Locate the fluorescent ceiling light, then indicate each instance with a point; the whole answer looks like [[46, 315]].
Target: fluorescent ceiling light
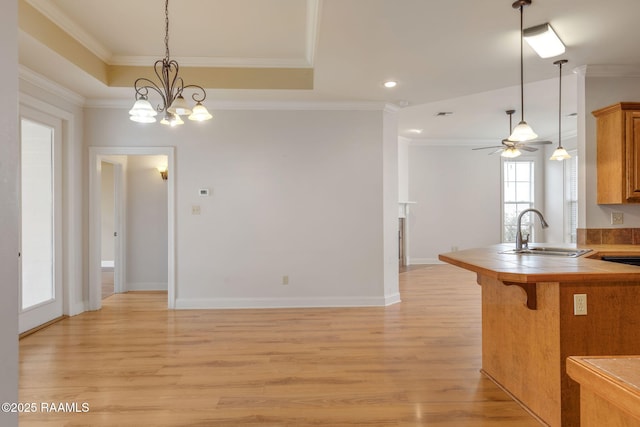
[[544, 40]]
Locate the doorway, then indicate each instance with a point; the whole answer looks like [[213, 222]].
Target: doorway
[[40, 291], [99, 155]]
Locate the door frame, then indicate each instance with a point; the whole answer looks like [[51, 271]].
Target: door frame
[[34, 316], [71, 204], [96, 155]]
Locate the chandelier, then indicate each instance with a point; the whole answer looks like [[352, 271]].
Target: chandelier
[[170, 89]]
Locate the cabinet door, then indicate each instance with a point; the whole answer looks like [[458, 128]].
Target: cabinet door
[[633, 156]]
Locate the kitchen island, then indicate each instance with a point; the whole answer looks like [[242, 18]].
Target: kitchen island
[[529, 327]]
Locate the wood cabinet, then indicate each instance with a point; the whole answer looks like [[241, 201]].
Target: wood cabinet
[[618, 133]]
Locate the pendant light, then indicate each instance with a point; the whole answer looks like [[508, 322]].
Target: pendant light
[[522, 132], [560, 154]]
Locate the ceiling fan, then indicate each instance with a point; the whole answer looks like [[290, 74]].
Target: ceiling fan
[[512, 149]]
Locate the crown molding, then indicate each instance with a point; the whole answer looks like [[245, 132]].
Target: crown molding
[[144, 61], [314, 12], [608, 70], [261, 105], [55, 15], [49, 86]]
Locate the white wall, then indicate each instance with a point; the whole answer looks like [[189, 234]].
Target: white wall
[[457, 191], [403, 169], [296, 193], [555, 194], [146, 224], [597, 89], [9, 214]]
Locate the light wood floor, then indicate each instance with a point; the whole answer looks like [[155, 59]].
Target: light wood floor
[[137, 364]]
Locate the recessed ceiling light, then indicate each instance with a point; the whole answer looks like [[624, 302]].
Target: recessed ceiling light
[[416, 131], [390, 83]]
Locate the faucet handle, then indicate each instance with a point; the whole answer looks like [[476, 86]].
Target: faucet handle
[[525, 241]]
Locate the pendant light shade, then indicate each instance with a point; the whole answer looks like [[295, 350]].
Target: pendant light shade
[[143, 111], [560, 153], [523, 131], [200, 113], [179, 106], [171, 120]]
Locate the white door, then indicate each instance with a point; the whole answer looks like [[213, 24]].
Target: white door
[[40, 233]]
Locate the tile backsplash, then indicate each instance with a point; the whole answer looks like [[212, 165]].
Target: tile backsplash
[[608, 236]]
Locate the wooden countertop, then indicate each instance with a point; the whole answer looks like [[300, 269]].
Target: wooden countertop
[[519, 268], [615, 378]]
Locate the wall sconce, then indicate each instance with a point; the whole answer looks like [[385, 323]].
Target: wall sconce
[[164, 171]]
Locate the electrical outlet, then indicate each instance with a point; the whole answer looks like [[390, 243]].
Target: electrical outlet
[[195, 210], [285, 280], [454, 249], [579, 304], [617, 218]]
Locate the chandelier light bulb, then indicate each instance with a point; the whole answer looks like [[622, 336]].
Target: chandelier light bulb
[[200, 113]]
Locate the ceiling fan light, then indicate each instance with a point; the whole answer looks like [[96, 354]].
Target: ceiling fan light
[[200, 113], [560, 154], [510, 152], [544, 40], [179, 107], [522, 132]]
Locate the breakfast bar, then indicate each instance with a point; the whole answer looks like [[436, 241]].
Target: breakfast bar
[[533, 319]]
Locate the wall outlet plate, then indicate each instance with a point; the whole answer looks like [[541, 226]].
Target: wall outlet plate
[[617, 218], [579, 304]]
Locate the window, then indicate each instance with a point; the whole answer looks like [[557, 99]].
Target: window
[[571, 198], [517, 195]]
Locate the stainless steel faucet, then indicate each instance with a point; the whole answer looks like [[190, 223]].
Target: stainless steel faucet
[[524, 243]]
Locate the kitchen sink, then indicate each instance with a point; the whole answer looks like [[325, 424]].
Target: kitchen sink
[[548, 251]]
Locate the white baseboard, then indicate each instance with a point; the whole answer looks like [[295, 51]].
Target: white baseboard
[[422, 261], [392, 299], [77, 308], [146, 286], [220, 303]]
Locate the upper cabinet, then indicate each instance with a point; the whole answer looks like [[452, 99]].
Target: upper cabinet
[[618, 153]]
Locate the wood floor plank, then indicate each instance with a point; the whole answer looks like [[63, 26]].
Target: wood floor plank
[[138, 364]]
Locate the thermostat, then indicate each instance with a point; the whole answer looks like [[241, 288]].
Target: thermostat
[[203, 192]]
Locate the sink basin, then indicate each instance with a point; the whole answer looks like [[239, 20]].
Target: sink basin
[[549, 251]]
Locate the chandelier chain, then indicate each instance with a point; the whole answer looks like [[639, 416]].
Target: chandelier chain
[[166, 28]]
